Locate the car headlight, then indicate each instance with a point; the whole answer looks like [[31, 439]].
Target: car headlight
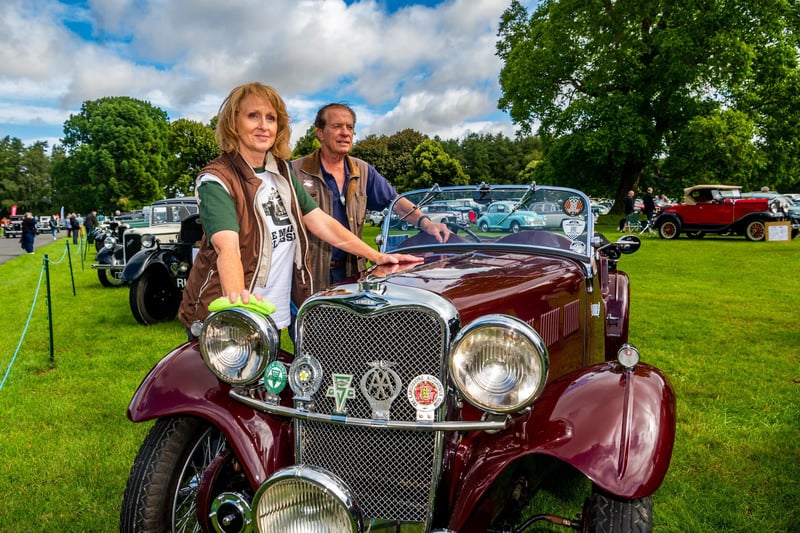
[[237, 345], [109, 242], [148, 240], [306, 498], [499, 363], [778, 205]]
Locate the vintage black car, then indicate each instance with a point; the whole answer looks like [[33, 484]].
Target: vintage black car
[[117, 245], [158, 273], [14, 227]]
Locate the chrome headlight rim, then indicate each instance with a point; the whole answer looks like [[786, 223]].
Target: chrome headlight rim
[[148, 240], [261, 340], [109, 242], [327, 484], [534, 375]]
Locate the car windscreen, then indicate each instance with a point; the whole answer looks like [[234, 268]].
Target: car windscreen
[[542, 217]]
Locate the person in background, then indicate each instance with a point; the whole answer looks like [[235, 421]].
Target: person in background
[[346, 187], [630, 210], [68, 224], [28, 232], [256, 215], [53, 223], [649, 204], [90, 223], [75, 227]]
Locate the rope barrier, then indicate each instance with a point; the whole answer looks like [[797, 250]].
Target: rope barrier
[[46, 262], [25, 329]]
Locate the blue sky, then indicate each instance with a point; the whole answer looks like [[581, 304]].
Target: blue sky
[[429, 65]]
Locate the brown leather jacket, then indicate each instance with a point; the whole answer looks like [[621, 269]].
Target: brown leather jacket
[[203, 285], [309, 172]]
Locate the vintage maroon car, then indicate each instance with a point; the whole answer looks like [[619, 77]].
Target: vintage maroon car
[[436, 396], [720, 209]]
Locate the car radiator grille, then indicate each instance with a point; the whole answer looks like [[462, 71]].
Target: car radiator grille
[[391, 472]]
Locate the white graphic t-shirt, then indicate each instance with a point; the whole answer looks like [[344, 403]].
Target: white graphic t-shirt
[[283, 237]]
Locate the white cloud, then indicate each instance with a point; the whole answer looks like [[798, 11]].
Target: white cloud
[[431, 69]]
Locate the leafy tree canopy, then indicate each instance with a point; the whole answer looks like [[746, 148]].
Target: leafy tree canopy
[[307, 143], [191, 145], [616, 88], [118, 152], [430, 165]]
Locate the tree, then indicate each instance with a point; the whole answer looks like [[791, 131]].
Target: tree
[[717, 148], [430, 165], [307, 143], [11, 192], [192, 146], [375, 151], [35, 178], [391, 156], [400, 147], [613, 84], [117, 155]]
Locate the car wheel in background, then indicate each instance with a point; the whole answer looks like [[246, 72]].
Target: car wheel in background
[[756, 231], [515, 227], [484, 227], [153, 298], [109, 278], [668, 230], [695, 234]]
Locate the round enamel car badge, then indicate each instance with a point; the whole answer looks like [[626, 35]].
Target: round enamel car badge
[[275, 377], [425, 393]]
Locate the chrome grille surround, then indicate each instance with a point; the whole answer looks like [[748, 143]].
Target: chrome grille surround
[[394, 474]]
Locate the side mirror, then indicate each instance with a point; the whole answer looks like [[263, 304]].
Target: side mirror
[[629, 244]]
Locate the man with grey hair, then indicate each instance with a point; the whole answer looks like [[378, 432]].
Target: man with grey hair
[[345, 187]]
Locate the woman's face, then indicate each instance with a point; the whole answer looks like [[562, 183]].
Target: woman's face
[[256, 126]]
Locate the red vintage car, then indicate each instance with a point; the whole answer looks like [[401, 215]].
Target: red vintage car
[[720, 209], [432, 397]]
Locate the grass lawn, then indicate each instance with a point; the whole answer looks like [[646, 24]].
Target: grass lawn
[[718, 315]]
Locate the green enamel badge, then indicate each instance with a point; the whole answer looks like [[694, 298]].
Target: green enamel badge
[[275, 377]]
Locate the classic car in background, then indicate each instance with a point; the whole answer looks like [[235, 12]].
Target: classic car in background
[[13, 227], [721, 209], [158, 272], [375, 218], [437, 213], [433, 396], [115, 246], [507, 216]]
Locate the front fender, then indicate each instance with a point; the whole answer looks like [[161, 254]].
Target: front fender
[[665, 217], [617, 428], [137, 264], [181, 385], [108, 258]]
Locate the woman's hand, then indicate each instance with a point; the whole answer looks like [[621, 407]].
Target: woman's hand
[[393, 259], [244, 294]]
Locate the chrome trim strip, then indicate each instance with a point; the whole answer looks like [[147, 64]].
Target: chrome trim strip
[[291, 412]]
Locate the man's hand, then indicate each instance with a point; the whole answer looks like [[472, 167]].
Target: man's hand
[[437, 230]]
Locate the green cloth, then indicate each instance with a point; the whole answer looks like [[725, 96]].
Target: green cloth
[[223, 302]]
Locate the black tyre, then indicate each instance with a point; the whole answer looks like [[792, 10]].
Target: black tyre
[[183, 464], [515, 227], [110, 278], [695, 234], [756, 231], [668, 230], [483, 226], [153, 297], [606, 514]]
